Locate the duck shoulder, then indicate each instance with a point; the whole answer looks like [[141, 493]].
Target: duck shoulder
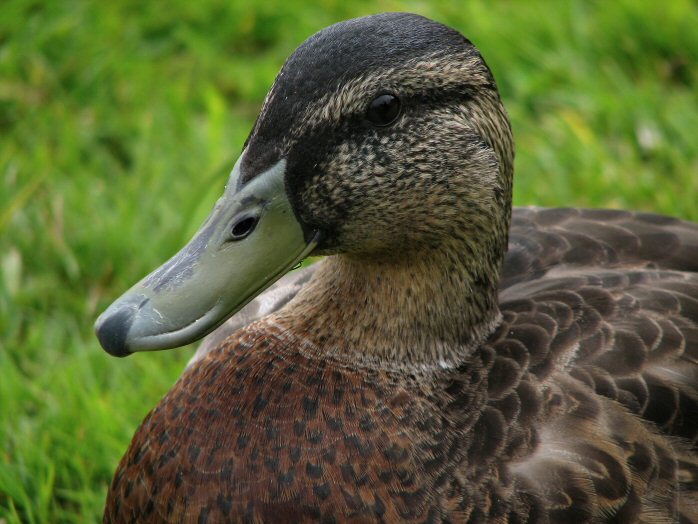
[[603, 306], [541, 239]]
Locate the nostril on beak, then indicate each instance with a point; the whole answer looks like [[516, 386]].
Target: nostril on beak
[[112, 331]]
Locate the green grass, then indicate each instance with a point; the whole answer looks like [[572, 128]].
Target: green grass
[[120, 120]]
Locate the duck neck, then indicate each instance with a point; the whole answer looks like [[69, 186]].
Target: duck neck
[[425, 311]]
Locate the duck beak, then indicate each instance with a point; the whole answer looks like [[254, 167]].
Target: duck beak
[[250, 239]]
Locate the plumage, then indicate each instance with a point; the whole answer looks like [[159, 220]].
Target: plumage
[[444, 363]]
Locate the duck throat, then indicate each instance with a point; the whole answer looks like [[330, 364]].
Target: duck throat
[[422, 312]]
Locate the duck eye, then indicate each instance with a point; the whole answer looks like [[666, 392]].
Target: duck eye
[[243, 227], [383, 110]]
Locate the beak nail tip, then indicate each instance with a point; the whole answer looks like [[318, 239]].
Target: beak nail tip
[[112, 331]]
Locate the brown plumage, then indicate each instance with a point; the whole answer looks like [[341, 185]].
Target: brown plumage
[[438, 379]]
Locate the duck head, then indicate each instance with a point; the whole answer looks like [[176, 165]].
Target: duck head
[[382, 138]]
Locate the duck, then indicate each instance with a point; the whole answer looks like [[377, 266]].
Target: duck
[[450, 359]]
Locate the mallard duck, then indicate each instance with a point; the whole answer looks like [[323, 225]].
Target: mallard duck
[[448, 360]]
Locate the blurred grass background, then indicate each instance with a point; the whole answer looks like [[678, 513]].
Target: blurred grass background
[[120, 120]]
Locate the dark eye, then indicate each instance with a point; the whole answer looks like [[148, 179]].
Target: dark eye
[[243, 227], [383, 110]]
